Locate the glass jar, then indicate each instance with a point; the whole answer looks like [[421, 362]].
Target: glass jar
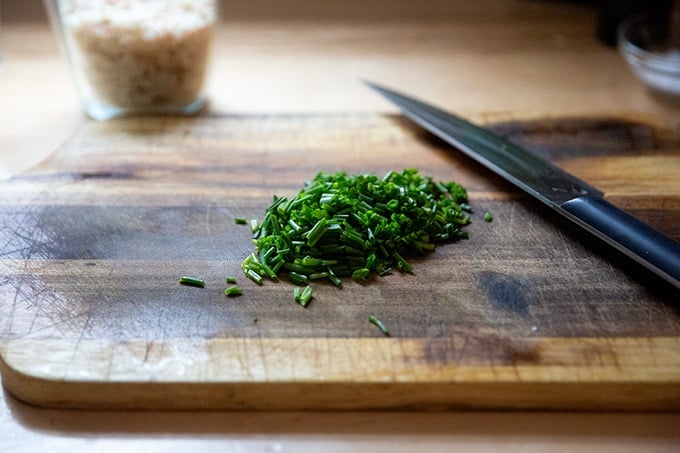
[[137, 56]]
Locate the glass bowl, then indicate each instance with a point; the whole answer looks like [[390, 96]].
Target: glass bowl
[[650, 46]]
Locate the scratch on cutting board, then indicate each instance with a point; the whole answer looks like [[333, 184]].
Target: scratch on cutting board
[[147, 350], [567, 248], [242, 357], [88, 318], [208, 209], [10, 316]]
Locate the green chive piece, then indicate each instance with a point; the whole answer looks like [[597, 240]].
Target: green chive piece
[[318, 230], [360, 274], [306, 294], [233, 291], [298, 279], [254, 225], [488, 217], [240, 220], [303, 296], [374, 320], [334, 278], [254, 276], [192, 281], [231, 279]]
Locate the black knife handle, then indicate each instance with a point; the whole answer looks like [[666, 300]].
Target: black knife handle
[[649, 247]]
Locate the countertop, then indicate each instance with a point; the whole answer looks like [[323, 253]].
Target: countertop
[[497, 57]]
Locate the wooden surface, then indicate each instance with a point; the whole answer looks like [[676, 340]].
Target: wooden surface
[[524, 314], [483, 56]]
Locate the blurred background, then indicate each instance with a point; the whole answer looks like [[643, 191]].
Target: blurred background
[[609, 11], [30, 10], [302, 56]]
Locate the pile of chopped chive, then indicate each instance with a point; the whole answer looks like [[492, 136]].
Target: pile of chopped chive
[[340, 225]]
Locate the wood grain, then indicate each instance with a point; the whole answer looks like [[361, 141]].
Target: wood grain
[[526, 313]]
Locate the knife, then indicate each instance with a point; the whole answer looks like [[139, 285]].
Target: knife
[[561, 191]]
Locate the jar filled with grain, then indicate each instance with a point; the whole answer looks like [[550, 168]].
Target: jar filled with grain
[[137, 56]]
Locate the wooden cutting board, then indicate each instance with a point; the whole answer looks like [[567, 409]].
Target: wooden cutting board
[[526, 313]]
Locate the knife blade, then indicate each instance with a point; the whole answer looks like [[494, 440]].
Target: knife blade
[[569, 196]]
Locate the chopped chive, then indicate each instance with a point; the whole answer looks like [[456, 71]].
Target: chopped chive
[[342, 225], [254, 225], [374, 320], [192, 281], [233, 291], [370, 261], [360, 274], [307, 292], [385, 271], [303, 296], [422, 245], [298, 279], [299, 269], [318, 230], [268, 271], [278, 266], [254, 276], [240, 220], [231, 279], [334, 278], [314, 262], [488, 217], [402, 264]]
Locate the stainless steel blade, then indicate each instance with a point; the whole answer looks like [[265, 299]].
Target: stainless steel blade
[[535, 175]]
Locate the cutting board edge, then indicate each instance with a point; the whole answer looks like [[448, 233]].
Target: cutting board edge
[[590, 397], [590, 388]]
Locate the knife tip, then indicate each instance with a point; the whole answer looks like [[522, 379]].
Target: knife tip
[[367, 82], [371, 84]]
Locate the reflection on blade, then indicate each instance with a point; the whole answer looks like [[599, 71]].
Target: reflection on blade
[[531, 173]]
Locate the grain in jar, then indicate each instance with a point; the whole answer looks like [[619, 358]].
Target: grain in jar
[[138, 55]]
